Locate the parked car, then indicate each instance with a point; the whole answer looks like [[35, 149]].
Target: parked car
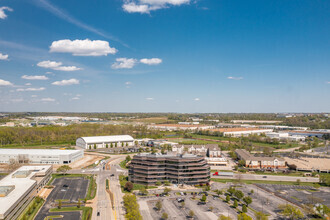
[[201, 203]]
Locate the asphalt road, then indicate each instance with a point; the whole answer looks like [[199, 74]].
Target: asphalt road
[[269, 178]]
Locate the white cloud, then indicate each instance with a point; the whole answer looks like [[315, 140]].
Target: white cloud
[[3, 56], [28, 84], [34, 77], [75, 98], [34, 96], [128, 83], [5, 83], [31, 89], [47, 100], [328, 82], [66, 82], [124, 63], [56, 66], [149, 99], [2, 12], [49, 72], [234, 78], [145, 6], [83, 47], [197, 99], [152, 61]]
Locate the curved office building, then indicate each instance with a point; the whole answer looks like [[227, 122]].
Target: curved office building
[[188, 169]]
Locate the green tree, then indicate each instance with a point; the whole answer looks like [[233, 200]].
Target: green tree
[[129, 186], [183, 204], [107, 146], [191, 213], [167, 190], [244, 209], [203, 199], [116, 144], [128, 158], [222, 217], [158, 205], [167, 183], [211, 208], [231, 190], [111, 145], [235, 203], [59, 206], [219, 192], [291, 212], [94, 146], [252, 191], [227, 198], [164, 216], [63, 169], [261, 216], [79, 203], [243, 216], [298, 181], [158, 183], [143, 191], [247, 200], [325, 179], [239, 194]]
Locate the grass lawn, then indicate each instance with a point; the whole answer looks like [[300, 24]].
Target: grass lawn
[[86, 215], [53, 217], [122, 164], [265, 182], [123, 180], [34, 207]]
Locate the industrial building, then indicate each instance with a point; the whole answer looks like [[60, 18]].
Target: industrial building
[[238, 132], [285, 136], [105, 141], [260, 162], [19, 188], [37, 156], [188, 169], [177, 127]]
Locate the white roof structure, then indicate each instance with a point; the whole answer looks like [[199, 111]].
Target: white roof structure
[[21, 184], [37, 151], [105, 139]]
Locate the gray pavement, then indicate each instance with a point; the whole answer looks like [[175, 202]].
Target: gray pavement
[[269, 178]]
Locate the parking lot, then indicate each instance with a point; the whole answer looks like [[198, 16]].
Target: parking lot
[[68, 190], [300, 195], [262, 200]]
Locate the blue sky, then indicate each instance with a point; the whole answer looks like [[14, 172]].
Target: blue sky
[[165, 55]]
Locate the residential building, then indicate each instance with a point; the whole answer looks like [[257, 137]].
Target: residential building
[[188, 169], [38, 156], [105, 141], [260, 162], [19, 188], [209, 150]]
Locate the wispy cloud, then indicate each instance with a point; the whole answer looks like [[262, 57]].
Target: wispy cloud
[[197, 99], [234, 78], [150, 99], [31, 89], [124, 63], [34, 77], [57, 66], [47, 100], [69, 18], [151, 61], [3, 15], [5, 83], [3, 56], [146, 6], [66, 82]]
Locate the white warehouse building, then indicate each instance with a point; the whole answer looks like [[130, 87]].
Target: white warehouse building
[[97, 142], [37, 156]]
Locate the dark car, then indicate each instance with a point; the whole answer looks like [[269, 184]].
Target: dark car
[[201, 203], [112, 175], [65, 185], [98, 213], [180, 200], [264, 177], [185, 193]]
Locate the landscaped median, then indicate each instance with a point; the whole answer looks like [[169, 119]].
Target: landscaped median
[[32, 209], [86, 211]]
